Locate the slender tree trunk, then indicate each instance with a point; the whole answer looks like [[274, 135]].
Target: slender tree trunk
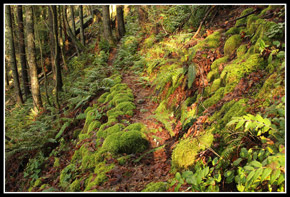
[[12, 55], [79, 46], [82, 34], [51, 42], [73, 19], [120, 22], [56, 49], [42, 63], [6, 74], [35, 90], [22, 54], [106, 22]]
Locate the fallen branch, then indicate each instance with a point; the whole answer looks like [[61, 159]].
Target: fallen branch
[[244, 15], [204, 18]]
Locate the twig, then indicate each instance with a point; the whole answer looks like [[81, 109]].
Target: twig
[[201, 23], [244, 15]]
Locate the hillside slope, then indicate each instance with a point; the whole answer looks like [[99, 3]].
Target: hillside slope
[[179, 113]]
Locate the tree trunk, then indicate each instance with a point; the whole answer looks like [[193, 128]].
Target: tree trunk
[[51, 42], [73, 19], [56, 49], [76, 42], [22, 54], [120, 21], [106, 22], [35, 90], [12, 55], [82, 35]]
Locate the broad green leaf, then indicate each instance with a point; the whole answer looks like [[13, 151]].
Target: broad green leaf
[[191, 75], [266, 173], [205, 172], [249, 177], [249, 168], [228, 173], [257, 174], [215, 161], [256, 164], [276, 173], [240, 123], [237, 161]]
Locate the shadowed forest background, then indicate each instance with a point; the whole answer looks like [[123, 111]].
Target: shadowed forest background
[[144, 98]]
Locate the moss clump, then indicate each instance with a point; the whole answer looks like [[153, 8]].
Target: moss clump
[[246, 64], [214, 73], [156, 187], [212, 41], [241, 50], [109, 131], [126, 107], [75, 186], [99, 175], [94, 125], [103, 97], [232, 44], [214, 98], [125, 142], [184, 154], [237, 109], [215, 85], [244, 20], [233, 30]]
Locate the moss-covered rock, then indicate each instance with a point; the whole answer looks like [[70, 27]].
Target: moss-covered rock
[[215, 85], [109, 131], [243, 20], [66, 176], [125, 142], [237, 109], [214, 98], [156, 187], [232, 44], [241, 50], [184, 154]]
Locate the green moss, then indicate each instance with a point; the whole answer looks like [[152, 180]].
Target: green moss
[[94, 125], [214, 98], [244, 20], [246, 64], [83, 136], [103, 97], [56, 162], [260, 27], [232, 44], [215, 85], [136, 126], [237, 109], [109, 131], [241, 50], [233, 30], [125, 142], [266, 91], [184, 154], [156, 187], [126, 107], [99, 175], [148, 42], [75, 186], [212, 41]]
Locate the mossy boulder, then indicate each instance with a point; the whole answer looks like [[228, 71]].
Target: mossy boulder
[[156, 187], [237, 109], [185, 152], [109, 131], [216, 84], [241, 50], [214, 73], [232, 44], [75, 186], [214, 98], [125, 142]]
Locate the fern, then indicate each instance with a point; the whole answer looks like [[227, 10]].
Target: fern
[[191, 75]]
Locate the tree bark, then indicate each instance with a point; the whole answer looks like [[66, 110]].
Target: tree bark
[[120, 22], [35, 90], [12, 55], [106, 23], [56, 49], [73, 19], [82, 35], [22, 54], [51, 42]]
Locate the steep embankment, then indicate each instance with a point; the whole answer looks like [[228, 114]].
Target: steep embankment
[[166, 123]]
